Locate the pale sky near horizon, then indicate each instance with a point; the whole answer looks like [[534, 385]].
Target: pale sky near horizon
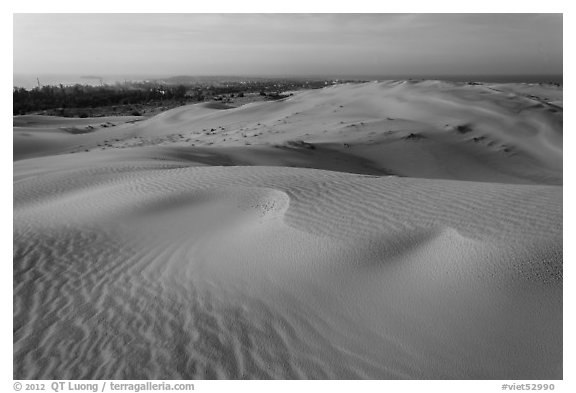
[[288, 44]]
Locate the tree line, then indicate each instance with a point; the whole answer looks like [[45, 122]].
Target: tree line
[[85, 96], [61, 99]]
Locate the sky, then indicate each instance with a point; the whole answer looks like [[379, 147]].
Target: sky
[[288, 44]]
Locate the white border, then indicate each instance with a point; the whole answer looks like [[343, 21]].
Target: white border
[[356, 6]]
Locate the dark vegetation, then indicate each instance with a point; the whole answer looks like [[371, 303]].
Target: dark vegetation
[[140, 98], [414, 137], [69, 100], [464, 128]]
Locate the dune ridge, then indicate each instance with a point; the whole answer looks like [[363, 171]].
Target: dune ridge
[[429, 129]]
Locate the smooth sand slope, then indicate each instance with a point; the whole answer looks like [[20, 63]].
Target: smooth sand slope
[[381, 230]]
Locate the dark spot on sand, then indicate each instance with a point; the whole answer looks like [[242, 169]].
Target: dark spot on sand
[[464, 128], [414, 137]]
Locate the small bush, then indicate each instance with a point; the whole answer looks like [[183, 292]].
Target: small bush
[[464, 128]]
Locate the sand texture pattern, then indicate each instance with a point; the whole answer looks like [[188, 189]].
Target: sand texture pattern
[[392, 230]]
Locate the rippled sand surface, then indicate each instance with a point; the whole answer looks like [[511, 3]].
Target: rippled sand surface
[[383, 230]]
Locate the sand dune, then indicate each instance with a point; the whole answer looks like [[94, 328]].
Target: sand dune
[[429, 130], [381, 230]]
